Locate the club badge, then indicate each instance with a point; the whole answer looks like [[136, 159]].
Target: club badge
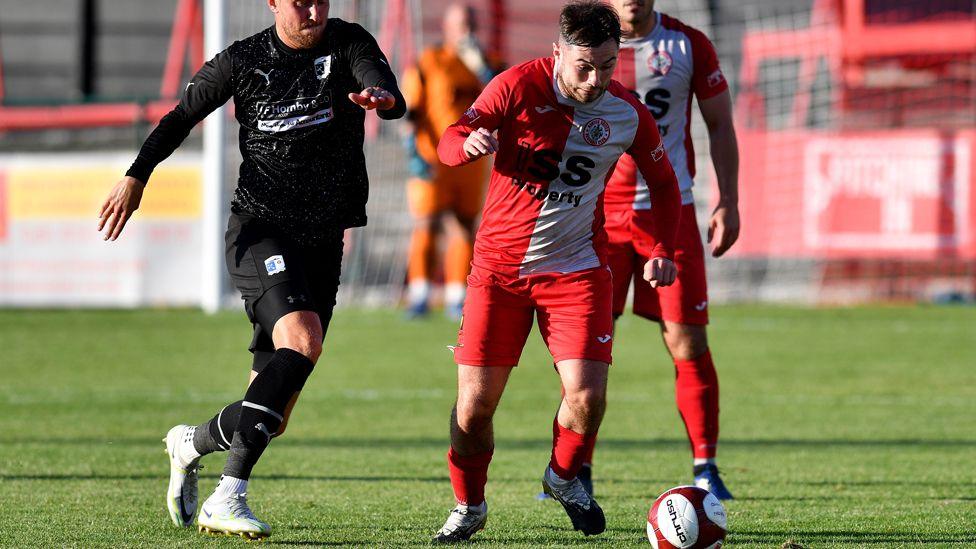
[[596, 132], [323, 66], [660, 62]]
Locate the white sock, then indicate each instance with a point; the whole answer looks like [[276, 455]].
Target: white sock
[[703, 461], [418, 291], [479, 509], [228, 487], [185, 449], [454, 293], [556, 480]]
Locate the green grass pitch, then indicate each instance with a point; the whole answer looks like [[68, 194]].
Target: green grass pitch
[[840, 428]]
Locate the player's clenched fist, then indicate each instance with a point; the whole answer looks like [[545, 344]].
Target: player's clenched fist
[[373, 98], [660, 272], [480, 143]]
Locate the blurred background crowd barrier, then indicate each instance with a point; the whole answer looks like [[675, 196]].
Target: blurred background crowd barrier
[[856, 122]]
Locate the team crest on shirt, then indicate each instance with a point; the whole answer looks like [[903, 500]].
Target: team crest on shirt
[[660, 62], [596, 132], [323, 66]]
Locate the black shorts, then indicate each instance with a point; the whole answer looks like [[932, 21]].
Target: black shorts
[[277, 276]]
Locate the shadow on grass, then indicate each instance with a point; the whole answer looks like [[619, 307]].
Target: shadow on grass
[[304, 478], [315, 543], [497, 480], [884, 539], [518, 444]]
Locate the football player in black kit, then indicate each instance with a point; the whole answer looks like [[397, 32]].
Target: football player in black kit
[[300, 90]]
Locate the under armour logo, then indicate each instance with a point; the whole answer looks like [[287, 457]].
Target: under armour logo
[[604, 338], [701, 306], [266, 75], [292, 299], [263, 429], [544, 110]]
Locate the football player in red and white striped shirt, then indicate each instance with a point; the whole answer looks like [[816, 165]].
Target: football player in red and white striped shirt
[[665, 63], [540, 251]]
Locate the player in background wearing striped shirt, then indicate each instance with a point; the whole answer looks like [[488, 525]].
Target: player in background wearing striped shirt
[[664, 62]]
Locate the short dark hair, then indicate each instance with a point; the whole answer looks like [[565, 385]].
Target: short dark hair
[[588, 23]]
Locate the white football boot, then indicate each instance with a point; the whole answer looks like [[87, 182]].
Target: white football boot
[[462, 523], [231, 516], [184, 463]]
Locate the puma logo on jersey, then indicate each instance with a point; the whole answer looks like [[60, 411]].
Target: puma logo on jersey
[[266, 75], [545, 109], [604, 338], [701, 306]]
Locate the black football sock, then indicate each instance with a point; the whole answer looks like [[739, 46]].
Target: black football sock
[[215, 434], [263, 408]]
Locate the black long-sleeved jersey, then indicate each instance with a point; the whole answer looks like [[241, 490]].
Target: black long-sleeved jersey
[[301, 137]]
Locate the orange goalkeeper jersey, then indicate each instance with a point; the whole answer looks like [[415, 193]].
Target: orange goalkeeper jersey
[[438, 90]]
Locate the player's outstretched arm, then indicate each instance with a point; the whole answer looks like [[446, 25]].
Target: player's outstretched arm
[[121, 203], [372, 71], [374, 97], [208, 89]]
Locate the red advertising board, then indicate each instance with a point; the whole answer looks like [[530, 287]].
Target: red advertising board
[[908, 194]]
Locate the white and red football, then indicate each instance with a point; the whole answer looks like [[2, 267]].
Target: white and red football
[[687, 517]]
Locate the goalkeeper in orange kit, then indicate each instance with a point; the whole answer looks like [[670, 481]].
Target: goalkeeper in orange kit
[[446, 80]]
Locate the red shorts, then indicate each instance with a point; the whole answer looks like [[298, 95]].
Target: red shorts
[[574, 312], [685, 301]]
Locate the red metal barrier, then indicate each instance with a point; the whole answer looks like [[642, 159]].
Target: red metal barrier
[[187, 35], [82, 116]]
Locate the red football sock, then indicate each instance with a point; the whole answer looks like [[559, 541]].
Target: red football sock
[[588, 458], [569, 449], [469, 474], [696, 392]]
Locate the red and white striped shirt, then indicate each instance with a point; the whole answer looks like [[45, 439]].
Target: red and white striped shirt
[[663, 70], [544, 209]]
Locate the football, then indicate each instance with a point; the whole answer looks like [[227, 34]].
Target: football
[[687, 517]]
